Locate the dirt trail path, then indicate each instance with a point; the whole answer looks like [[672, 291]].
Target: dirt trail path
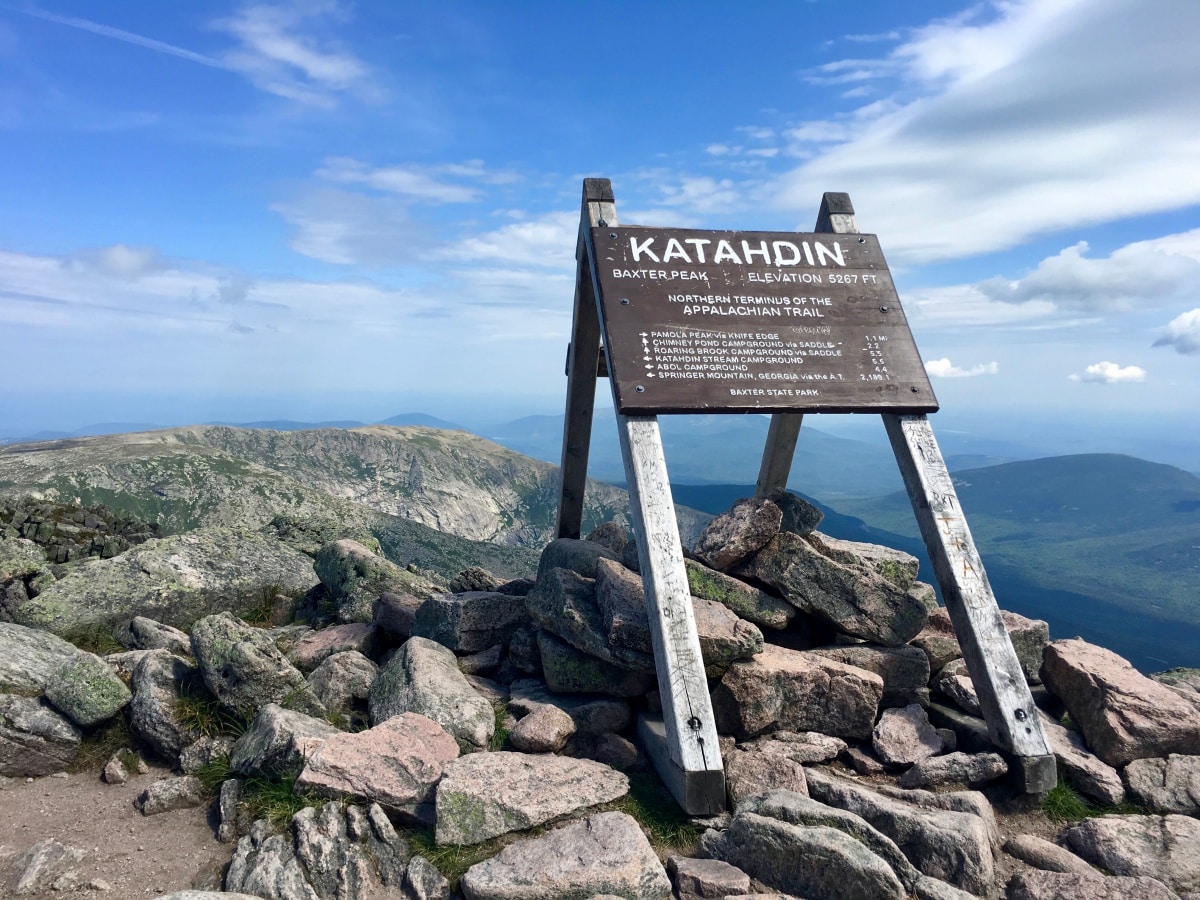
[[134, 855]]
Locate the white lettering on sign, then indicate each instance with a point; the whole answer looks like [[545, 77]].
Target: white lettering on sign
[[777, 253]]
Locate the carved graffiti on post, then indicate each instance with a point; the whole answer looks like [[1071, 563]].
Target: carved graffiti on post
[[722, 320]]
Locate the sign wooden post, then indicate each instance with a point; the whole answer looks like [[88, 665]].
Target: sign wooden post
[[683, 743], [710, 321]]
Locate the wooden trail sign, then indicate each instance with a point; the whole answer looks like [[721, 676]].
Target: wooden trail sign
[[710, 321]]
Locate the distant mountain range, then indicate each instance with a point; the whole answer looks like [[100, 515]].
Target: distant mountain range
[[1101, 545]]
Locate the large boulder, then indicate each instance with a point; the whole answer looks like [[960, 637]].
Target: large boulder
[[1028, 636], [904, 670], [565, 603], [423, 677], [396, 764], [173, 580], [343, 680], [1162, 847], [1036, 885], [570, 671], [330, 852], [791, 690], [356, 577], [1170, 785], [34, 739], [1123, 714], [577, 556], [30, 658], [852, 596], [485, 795], [605, 854], [471, 621], [245, 670]]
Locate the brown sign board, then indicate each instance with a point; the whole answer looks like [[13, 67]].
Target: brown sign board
[[737, 321]]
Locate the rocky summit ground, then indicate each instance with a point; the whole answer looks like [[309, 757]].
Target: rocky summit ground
[[364, 730]]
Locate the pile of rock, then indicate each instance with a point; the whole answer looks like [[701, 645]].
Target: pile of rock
[[66, 532], [850, 734]]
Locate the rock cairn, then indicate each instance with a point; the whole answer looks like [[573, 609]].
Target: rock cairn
[[502, 715]]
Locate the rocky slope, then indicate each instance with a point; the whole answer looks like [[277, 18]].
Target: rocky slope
[[183, 478], [500, 723]]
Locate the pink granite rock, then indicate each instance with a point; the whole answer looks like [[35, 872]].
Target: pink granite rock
[[396, 764], [1123, 714]]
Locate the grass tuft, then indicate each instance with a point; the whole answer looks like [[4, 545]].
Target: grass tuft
[[276, 801], [213, 774], [101, 742], [453, 860], [668, 828], [1064, 804], [500, 735], [95, 638], [198, 710]]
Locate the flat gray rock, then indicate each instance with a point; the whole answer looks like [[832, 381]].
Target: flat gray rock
[[173, 580], [955, 768], [1083, 770], [245, 670], [896, 566], [343, 679], [567, 670], [166, 794], [577, 556], [605, 853], [34, 738], [592, 715], [748, 773], [484, 795], [1078, 886], [37, 868], [565, 604], [804, 860], [904, 670], [1046, 855], [950, 837], [1162, 847], [1123, 714], [395, 764], [791, 690], [1170, 785], [142, 633], [423, 677]]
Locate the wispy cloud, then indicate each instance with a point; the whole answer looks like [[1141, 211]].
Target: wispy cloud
[[278, 50], [1110, 373]]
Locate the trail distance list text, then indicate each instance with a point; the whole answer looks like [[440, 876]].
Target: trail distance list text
[[702, 320]]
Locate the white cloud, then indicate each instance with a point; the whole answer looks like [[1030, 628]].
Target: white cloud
[[1110, 373], [943, 368], [347, 228], [546, 242], [954, 306], [1138, 275], [281, 57], [1011, 127], [1183, 333]]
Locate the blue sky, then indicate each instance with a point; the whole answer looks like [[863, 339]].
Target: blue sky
[[331, 210]]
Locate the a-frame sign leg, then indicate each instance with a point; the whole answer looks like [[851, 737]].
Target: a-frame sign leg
[[582, 357], [1004, 696], [837, 217], [683, 744]]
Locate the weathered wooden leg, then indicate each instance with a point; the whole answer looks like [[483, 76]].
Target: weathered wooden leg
[[1004, 696], [684, 746], [778, 453], [836, 216], [582, 355]]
